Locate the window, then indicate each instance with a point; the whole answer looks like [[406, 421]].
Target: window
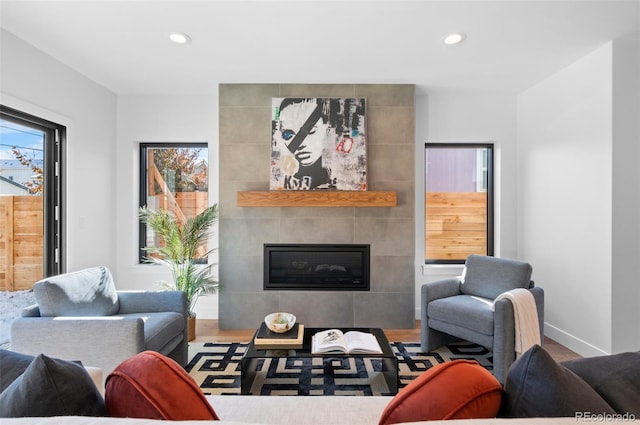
[[31, 199], [458, 202], [173, 177]]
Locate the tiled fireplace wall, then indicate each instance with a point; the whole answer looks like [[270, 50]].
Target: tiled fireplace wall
[[245, 135]]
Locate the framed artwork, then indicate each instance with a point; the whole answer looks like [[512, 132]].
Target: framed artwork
[[318, 144]]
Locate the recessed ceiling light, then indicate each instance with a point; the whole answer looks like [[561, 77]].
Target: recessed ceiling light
[[179, 38], [454, 38]]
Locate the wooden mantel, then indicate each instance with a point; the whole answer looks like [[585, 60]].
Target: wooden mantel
[[316, 198]]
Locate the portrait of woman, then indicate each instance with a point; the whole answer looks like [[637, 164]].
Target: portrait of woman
[[318, 143]]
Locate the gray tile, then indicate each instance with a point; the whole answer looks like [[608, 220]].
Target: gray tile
[[386, 94], [390, 125], [246, 237], [244, 162], [392, 274], [318, 212], [246, 94], [389, 162], [384, 310], [388, 237], [317, 230], [319, 309], [241, 273], [245, 310], [245, 125]]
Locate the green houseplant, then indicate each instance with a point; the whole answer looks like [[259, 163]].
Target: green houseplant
[[178, 250]]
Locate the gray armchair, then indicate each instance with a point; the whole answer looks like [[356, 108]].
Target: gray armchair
[[80, 316], [465, 308]]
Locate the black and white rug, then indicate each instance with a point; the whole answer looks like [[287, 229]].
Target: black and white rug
[[216, 369]]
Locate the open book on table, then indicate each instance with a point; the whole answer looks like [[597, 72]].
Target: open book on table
[[352, 342]]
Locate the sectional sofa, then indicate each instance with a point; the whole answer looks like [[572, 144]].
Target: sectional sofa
[[150, 386]]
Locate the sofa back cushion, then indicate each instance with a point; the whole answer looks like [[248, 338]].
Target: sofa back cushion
[[152, 386], [538, 386], [50, 387], [615, 377], [88, 292], [488, 277]]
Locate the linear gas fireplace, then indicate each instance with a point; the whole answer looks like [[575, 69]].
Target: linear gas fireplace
[[316, 267]]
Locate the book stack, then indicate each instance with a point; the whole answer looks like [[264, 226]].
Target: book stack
[[268, 340]]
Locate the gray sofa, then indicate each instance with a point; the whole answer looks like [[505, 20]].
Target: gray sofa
[[80, 316]]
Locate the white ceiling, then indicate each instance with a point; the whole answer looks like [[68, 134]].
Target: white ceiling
[[510, 45]]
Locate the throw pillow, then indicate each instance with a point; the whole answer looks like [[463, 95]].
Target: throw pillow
[[52, 387], [616, 378], [537, 386], [152, 386], [460, 389], [88, 292], [12, 365]]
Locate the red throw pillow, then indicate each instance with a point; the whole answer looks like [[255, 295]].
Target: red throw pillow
[[460, 389], [152, 386]]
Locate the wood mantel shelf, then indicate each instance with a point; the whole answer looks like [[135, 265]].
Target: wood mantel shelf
[[316, 198]]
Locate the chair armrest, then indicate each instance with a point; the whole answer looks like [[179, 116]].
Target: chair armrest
[[439, 289], [102, 342], [152, 301]]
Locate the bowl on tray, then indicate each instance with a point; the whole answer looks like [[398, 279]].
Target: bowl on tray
[[280, 322]]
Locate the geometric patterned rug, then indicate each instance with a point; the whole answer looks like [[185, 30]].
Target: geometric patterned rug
[[216, 369]]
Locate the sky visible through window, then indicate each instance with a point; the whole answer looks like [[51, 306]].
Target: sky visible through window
[[28, 140], [29, 143]]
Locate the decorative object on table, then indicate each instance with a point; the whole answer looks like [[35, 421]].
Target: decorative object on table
[[280, 322], [179, 251], [266, 339], [318, 143]]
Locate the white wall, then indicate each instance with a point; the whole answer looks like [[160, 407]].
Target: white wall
[[158, 119], [468, 118], [38, 84], [565, 166]]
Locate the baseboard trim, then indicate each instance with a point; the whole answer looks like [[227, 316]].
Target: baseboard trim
[[572, 342]]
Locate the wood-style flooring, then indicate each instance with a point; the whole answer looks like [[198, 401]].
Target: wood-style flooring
[[207, 330]]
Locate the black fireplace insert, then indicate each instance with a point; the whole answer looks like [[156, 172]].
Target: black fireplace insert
[[316, 267]]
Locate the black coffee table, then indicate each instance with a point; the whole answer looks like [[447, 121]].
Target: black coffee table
[[253, 356]]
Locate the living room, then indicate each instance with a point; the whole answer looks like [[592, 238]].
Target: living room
[[567, 197]]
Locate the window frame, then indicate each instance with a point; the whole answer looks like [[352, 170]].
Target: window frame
[[142, 181], [490, 195], [54, 195]]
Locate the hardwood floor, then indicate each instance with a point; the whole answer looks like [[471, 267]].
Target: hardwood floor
[[207, 330]]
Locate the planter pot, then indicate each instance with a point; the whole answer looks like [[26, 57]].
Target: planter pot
[[191, 328]]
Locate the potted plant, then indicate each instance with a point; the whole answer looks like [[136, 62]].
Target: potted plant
[[178, 250]]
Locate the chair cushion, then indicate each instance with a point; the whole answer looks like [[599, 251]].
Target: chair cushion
[[459, 389], [465, 311], [616, 378], [88, 292], [52, 387], [152, 386], [488, 277], [537, 386], [159, 328]]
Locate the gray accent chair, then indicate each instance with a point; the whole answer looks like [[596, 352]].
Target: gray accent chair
[[80, 316], [460, 308]]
